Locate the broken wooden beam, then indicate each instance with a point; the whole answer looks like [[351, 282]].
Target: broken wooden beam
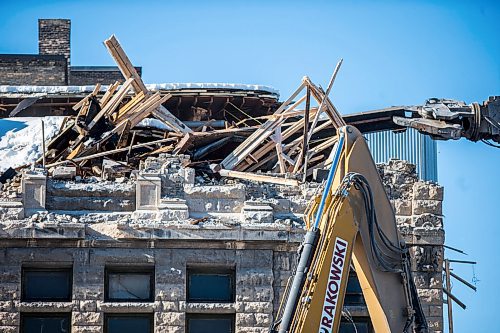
[[254, 176], [128, 71]]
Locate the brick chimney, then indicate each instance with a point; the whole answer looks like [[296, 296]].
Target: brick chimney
[[54, 38]]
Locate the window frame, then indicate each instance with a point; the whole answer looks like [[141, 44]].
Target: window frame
[[24, 315], [232, 316], [150, 316], [24, 282], [137, 270], [211, 270]]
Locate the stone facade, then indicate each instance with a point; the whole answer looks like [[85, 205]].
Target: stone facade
[[418, 208], [254, 229], [52, 66]]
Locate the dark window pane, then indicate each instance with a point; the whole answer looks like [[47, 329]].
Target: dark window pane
[[354, 294], [129, 286], [45, 324], [39, 285], [361, 326], [211, 324], [128, 324], [210, 287]]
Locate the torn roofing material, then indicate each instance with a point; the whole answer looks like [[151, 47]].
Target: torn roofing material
[[151, 87]]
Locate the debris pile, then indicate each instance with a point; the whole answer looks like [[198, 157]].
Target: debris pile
[[114, 131]]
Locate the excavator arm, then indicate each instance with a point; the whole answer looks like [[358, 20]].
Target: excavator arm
[[442, 119], [352, 222]]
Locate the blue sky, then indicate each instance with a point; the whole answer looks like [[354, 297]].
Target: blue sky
[[394, 53]]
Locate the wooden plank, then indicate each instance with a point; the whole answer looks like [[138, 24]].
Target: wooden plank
[[134, 101], [305, 137], [258, 177], [128, 71], [246, 147], [94, 93], [110, 152], [279, 150], [109, 93], [183, 145], [112, 104], [141, 114]]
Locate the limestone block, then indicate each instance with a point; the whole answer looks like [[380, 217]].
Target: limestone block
[[34, 187], [427, 191], [9, 329], [169, 306], [257, 212], [402, 207], [86, 329], [170, 292], [9, 318], [427, 207], [7, 306], [173, 210], [9, 291], [48, 306], [280, 206], [169, 329], [255, 277], [435, 323], [148, 191], [214, 205], [254, 307], [428, 280], [254, 294], [435, 311], [236, 191], [11, 210], [430, 296], [245, 320], [126, 307], [252, 330], [189, 174], [170, 318], [88, 306], [87, 318], [428, 221], [263, 319], [298, 206], [64, 172], [190, 307]]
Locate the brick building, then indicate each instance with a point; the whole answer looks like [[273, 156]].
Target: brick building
[[52, 65]]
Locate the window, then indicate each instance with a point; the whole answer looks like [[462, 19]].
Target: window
[[210, 285], [129, 284], [198, 323], [46, 284], [354, 294], [357, 325], [45, 322], [128, 323]]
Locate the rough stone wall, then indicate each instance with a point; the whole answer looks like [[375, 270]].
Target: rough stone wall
[[418, 208], [252, 307], [33, 70], [195, 222], [92, 76]]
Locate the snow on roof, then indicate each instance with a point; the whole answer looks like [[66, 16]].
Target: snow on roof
[[21, 139], [153, 87]]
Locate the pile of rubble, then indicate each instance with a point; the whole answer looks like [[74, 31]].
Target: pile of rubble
[[115, 131]]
